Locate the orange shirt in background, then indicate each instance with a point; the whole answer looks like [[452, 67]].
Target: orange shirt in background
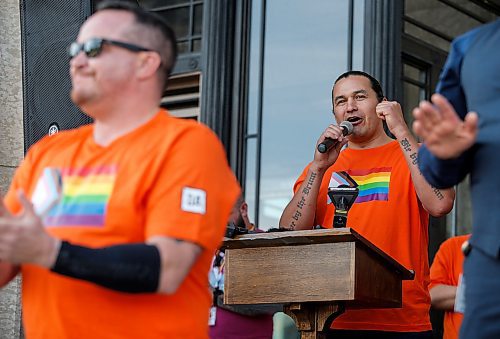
[[388, 213], [149, 182], [445, 270]]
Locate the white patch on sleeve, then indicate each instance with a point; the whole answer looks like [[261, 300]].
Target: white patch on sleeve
[[194, 200]]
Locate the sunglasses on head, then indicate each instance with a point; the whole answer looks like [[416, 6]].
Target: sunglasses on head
[[93, 47]]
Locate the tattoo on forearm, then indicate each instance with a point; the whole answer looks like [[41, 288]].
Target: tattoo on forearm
[[300, 205], [406, 145], [309, 184], [437, 192], [414, 160]]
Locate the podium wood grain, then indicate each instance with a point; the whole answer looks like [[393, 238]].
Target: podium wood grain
[[311, 266], [311, 272]]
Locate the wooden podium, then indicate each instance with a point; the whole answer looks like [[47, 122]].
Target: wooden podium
[[314, 273]]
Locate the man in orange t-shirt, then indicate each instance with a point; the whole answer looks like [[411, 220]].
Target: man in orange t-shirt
[[113, 225], [446, 270], [391, 209]]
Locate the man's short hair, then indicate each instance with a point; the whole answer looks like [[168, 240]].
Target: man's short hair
[[167, 49], [374, 82]]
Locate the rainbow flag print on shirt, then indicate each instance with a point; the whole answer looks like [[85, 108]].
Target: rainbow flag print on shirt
[[85, 196], [373, 183]]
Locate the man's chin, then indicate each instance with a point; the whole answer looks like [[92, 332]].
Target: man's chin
[[78, 98]]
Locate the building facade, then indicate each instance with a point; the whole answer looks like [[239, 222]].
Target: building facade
[[258, 72]]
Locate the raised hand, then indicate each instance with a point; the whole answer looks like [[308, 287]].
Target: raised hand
[[391, 112], [443, 132], [23, 238]]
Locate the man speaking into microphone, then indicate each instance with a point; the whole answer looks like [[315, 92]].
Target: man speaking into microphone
[[328, 143], [393, 205]]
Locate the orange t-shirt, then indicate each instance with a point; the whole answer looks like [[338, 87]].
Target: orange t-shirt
[[168, 177], [446, 269], [388, 213]]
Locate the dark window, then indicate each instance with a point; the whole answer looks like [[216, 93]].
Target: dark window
[[185, 17], [415, 86]]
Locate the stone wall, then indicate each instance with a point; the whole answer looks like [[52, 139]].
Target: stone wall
[[11, 141]]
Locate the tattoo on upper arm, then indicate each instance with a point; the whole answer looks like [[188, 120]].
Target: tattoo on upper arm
[[300, 205]]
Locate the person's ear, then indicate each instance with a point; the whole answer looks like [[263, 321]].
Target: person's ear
[[148, 64]]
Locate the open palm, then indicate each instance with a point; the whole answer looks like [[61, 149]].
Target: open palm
[[444, 133]]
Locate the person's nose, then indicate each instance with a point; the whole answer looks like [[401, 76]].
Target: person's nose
[[351, 105], [78, 61]]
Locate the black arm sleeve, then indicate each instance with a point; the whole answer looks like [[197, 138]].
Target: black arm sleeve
[[132, 268]]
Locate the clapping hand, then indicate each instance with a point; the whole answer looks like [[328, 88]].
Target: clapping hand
[[444, 133]]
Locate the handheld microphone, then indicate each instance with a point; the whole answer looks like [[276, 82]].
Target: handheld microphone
[[328, 143]]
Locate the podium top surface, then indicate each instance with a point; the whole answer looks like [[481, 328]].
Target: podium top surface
[[309, 237]]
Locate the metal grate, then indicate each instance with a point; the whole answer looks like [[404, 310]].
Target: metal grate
[[48, 27]]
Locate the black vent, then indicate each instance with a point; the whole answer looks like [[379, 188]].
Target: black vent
[[48, 27]]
